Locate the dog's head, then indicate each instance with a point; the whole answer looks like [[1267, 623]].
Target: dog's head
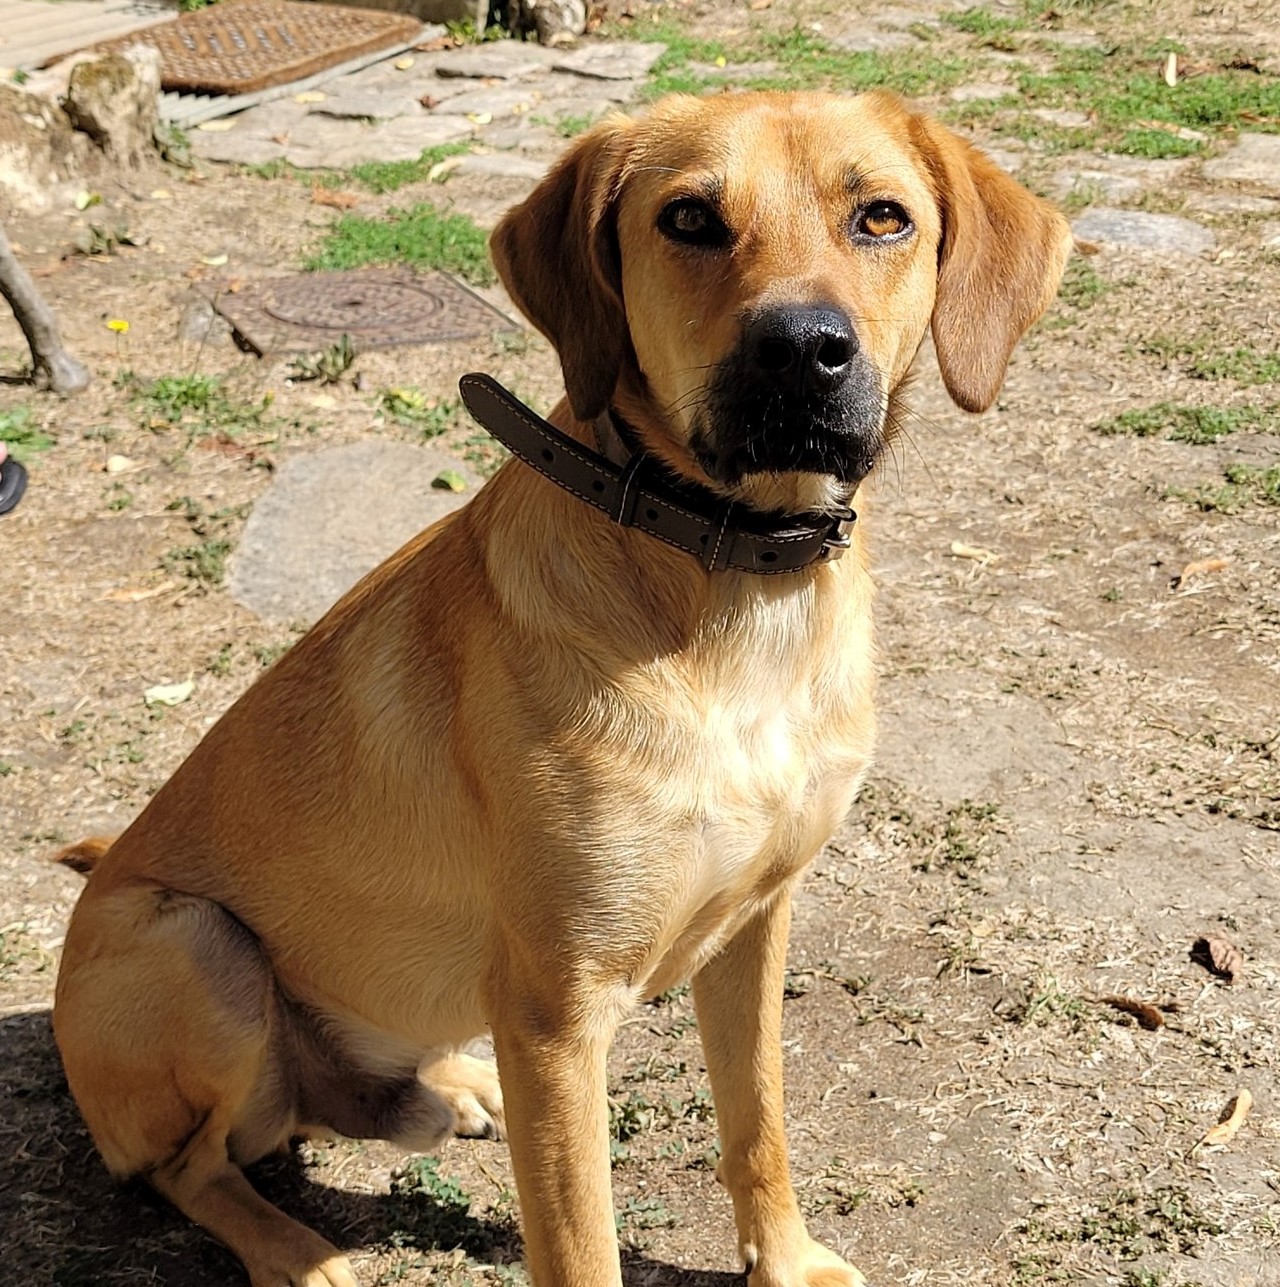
[[747, 279]]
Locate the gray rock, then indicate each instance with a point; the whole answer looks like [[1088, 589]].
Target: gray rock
[[619, 60], [494, 102], [332, 516], [1114, 187], [1008, 161], [1138, 230], [1270, 231], [202, 324], [1254, 159], [1154, 173], [501, 60], [236, 148], [326, 133], [1062, 117], [367, 104], [1233, 204], [267, 119], [871, 41], [502, 165], [421, 131], [979, 92]]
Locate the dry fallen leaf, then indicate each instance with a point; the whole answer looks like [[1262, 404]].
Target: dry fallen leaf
[[220, 126], [1171, 71], [403, 64], [169, 694], [480, 118], [118, 464], [1230, 1122], [1087, 247], [1148, 1016], [1219, 957], [429, 101], [214, 261], [1199, 567], [337, 199], [310, 96], [760, 4], [442, 169], [975, 552]]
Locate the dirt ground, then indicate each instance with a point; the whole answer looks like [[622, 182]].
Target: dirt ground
[[1077, 779]]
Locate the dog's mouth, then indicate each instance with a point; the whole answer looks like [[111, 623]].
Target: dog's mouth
[[793, 401]]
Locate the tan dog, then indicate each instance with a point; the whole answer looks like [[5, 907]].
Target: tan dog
[[538, 767]]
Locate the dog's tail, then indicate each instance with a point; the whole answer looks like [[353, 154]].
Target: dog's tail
[[83, 856]]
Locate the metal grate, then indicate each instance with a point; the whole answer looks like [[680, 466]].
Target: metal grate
[[376, 307], [241, 46]]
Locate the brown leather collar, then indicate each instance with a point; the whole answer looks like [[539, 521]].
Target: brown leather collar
[[643, 494]]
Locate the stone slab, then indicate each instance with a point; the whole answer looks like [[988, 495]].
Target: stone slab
[[491, 102], [367, 104], [236, 149], [502, 165], [1254, 159], [332, 516], [1233, 203], [1139, 230], [870, 41], [981, 91], [617, 60], [501, 60], [1063, 117], [1115, 187]]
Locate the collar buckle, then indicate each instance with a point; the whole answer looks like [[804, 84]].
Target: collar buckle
[[839, 537]]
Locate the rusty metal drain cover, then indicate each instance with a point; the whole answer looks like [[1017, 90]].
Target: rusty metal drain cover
[[376, 307]]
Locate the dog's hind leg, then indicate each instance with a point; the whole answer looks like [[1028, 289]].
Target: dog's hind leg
[[170, 1031], [470, 1088]]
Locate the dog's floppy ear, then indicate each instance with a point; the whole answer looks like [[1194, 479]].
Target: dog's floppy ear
[[557, 254], [1001, 259]]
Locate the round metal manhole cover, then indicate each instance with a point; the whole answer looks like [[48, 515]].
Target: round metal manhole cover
[[374, 307]]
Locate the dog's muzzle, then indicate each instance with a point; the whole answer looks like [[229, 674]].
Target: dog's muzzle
[[798, 393]]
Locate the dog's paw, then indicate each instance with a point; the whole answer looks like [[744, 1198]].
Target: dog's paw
[[812, 1266], [312, 1264], [471, 1089]]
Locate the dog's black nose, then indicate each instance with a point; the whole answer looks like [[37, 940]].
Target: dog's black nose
[[802, 348]]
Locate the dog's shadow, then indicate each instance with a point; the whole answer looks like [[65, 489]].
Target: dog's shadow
[[64, 1222]]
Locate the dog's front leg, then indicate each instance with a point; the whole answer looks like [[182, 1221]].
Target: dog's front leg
[[551, 1060], [739, 1002]]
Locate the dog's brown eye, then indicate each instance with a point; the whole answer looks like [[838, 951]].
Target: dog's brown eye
[[882, 219], [692, 222]]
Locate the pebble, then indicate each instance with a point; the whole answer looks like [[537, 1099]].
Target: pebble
[[1254, 159]]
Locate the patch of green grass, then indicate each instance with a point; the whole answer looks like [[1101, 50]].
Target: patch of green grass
[[1198, 425], [1046, 1001], [199, 401], [803, 61], [1081, 286], [1243, 485], [1133, 110], [1244, 365], [1131, 1223], [388, 176], [570, 126], [409, 406], [1126, 90], [205, 561], [378, 176], [421, 236], [993, 30], [20, 433]]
